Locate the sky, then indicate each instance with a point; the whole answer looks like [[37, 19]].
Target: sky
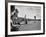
[[29, 11]]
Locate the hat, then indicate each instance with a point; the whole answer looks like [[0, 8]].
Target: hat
[[16, 10]]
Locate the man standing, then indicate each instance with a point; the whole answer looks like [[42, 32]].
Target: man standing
[[25, 20]]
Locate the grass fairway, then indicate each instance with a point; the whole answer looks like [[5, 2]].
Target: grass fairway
[[32, 25]]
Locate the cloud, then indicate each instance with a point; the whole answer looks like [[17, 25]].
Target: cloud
[[29, 11]]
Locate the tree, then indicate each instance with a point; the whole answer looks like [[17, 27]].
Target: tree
[[34, 17]]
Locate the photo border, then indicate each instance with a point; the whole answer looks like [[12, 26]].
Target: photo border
[[6, 18]]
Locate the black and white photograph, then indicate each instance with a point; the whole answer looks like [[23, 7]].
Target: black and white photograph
[[25, 18]]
